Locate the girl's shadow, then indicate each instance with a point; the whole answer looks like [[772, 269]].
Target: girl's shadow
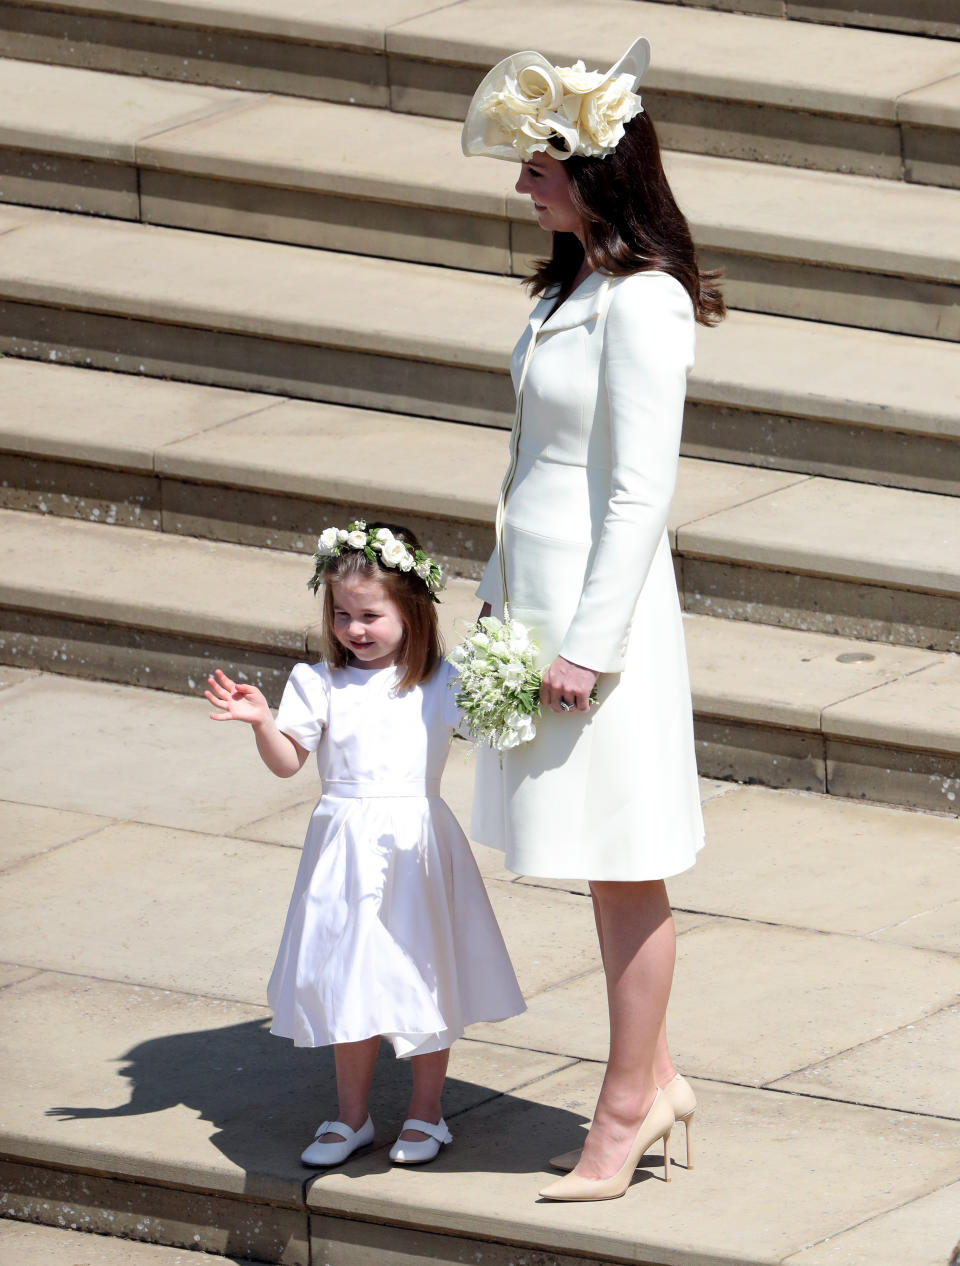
[[265, 1098]]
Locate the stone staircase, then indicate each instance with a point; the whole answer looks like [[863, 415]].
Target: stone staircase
[[334, 290], [248, 286]]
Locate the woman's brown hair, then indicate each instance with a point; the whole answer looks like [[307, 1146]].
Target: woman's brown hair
[[421, 649], [632, 224]]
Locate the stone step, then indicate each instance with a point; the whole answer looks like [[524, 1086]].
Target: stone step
[[722, 83], [435, 342], [938, 18], [852, 250], [772, 547], [33, 1244], [795, 709]]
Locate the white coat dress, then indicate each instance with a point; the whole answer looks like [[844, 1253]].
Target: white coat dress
[[610, 794]]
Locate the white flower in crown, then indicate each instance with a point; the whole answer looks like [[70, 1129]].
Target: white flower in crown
[[393, 551]]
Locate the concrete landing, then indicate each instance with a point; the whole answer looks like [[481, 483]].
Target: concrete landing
[[145, 864]]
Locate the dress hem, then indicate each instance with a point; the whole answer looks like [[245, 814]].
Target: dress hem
[[423, 1047], [608, 878]]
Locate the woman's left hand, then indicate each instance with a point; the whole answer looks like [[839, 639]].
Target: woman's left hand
[[570, 682]]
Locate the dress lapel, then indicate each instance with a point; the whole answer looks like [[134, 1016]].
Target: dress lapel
[[585, 304]]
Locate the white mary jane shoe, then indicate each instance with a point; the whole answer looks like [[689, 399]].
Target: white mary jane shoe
[[334, 1153], [417, 1153]]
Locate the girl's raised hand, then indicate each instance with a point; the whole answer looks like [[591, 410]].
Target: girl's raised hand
[[235, 700]]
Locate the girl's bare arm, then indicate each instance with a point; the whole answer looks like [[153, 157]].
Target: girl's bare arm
[[239, 701]]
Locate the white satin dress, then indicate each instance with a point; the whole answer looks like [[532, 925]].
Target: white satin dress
[[389, 930], [613, 793]]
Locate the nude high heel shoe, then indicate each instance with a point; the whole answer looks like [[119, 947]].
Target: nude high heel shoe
[[680, 1096], [655, 1125]]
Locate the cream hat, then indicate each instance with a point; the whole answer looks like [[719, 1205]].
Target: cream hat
[[525, 105]]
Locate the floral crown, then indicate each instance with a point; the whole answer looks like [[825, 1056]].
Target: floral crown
[[379, 545], [525, 105]]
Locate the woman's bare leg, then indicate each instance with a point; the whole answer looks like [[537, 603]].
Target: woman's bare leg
[[639, 950], [354, 1062], [429, 1074], [664, 1069]]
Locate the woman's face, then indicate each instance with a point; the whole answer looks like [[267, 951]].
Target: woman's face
[[545, 179]]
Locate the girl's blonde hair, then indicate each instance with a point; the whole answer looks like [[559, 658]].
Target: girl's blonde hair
[[422, 648]]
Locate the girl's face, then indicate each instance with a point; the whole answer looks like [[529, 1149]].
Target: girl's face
[[366, 621], [545, 179]]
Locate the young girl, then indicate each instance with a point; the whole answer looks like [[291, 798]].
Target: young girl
[[389, 931]]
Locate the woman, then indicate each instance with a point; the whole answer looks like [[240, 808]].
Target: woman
[[605, 793]]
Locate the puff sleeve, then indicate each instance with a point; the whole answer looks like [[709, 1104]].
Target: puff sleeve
[[305, 705], [648, 344]]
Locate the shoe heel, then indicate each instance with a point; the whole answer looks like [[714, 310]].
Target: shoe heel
[[688, 1123], [666, 1157]]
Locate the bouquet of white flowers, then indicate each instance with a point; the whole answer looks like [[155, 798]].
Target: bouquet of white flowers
[[499, 688]]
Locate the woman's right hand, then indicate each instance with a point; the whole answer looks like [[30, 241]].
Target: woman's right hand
[[236, 700]]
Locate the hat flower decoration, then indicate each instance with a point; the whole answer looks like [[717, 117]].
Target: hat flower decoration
[[525, 105]]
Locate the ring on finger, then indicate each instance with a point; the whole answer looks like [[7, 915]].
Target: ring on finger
[[566, 705]]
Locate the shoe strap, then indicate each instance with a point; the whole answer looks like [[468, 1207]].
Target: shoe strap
[[438, 1131], [336, 1127]]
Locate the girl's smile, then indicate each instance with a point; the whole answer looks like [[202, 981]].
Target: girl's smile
[[367, 621]]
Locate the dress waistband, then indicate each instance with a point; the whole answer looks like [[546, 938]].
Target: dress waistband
[[342, 790]]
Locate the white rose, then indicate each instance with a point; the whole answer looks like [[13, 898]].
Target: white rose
[[578, 79], [603, 115], [392, 551], [508, 739], [384, 534], [532, 90], [357, 540], [342, 535], [328, 539], [526, 730], [480, 641], [422, 570], [527, 110], [406, 562]]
